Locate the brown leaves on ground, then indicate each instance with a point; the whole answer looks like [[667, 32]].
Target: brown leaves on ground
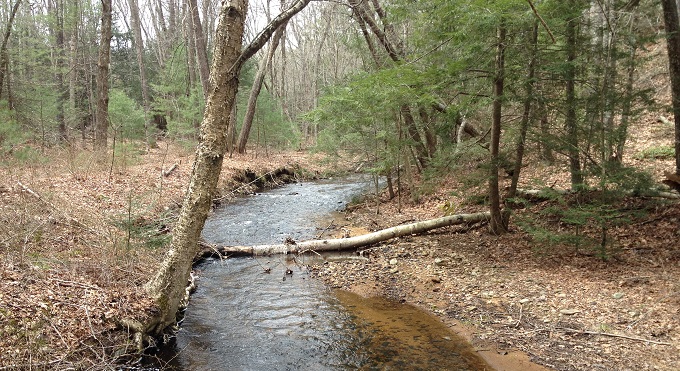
[[79, 236], [550, 300]]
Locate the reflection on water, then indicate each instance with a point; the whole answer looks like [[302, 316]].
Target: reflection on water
[[242, 318], [402, 337]]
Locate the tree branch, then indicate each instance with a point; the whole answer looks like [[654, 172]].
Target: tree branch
[[542, 21], [266, 34]]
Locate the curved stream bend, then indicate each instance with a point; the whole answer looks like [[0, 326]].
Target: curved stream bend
[[242, 318]]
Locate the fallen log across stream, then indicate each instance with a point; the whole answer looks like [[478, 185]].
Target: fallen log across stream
[[353, 242]]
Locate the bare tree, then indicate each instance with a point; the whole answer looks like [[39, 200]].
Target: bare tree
[[102, 119]]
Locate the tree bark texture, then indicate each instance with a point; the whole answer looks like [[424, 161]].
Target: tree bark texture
[[672, 25], [570, 122], [256, 88], [102, 117], [497, 224], [167, 287], [358, 241]]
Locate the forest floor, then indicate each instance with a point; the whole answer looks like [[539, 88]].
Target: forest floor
[[80, 236], [529, 295]]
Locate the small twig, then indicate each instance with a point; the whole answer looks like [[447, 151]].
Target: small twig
[[306, 251], [566, 329], [87, 313], [57, 331], [74, 284], [324, 230], [521, 307]]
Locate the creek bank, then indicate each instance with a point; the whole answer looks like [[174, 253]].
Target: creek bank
[[508, 296], [279, 317], [56, 273]]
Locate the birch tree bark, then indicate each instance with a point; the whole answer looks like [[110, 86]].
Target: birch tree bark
[[167, 287], [358, 241], [102, 116]]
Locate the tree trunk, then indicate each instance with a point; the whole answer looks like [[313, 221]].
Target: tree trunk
[[357, 241], [139, 51], [546, 148], [57, 29], [102, 119], [672, 25], [190, 48], [497, 225], [201, 51], [526, 112], [4, 56], [168, 285], [74, 21], [570, 121], [621, 134], [256, 88]]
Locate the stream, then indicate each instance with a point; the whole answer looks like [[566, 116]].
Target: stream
[[242, 318]]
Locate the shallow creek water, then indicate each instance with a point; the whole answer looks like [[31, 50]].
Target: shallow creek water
[[241, 318]]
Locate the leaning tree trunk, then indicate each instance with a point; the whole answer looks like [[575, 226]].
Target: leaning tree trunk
[[357, 241], [255, 90], [168, 286], [102, 116]]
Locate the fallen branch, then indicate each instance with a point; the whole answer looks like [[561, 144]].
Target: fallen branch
[[567, 329], [357, 241], [166, 173]]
